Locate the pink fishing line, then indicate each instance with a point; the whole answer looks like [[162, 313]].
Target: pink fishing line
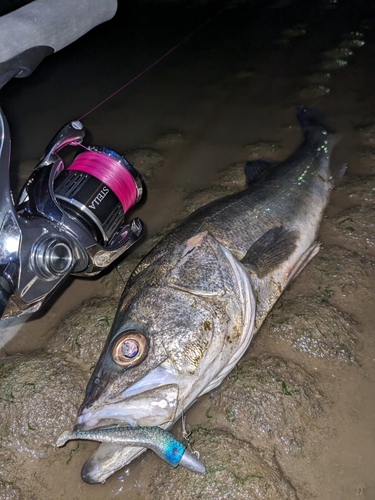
[[111, 173], [185, 39]]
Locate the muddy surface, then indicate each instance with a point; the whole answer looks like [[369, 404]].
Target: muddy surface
[[295, 417]]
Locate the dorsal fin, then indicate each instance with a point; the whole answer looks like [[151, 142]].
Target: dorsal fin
[[254, 169]]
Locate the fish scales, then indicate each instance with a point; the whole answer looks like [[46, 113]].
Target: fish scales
[[196, 300], [268, 203]]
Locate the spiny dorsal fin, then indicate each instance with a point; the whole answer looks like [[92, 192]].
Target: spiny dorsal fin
[[254, 169], [273, 248]]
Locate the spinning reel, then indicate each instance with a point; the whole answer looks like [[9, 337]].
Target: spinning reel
[[67, 219]]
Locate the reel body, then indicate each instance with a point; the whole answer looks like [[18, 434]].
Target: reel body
[[66, 220]]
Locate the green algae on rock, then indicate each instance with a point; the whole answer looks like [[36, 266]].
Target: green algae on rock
[[270, 401], [82, 334], [314, 327], [39, 395], [336, 276], [235, 470]]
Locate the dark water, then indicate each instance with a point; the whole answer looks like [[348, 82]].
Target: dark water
[[228, 92]]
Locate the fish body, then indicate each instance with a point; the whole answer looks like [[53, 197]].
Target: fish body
[[191, 307]]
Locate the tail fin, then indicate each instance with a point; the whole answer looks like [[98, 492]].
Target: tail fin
[[311, 118], [61, 440]]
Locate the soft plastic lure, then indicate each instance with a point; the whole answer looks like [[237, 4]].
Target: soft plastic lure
[[163, 443]]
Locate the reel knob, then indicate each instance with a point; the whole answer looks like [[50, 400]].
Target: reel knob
[[52, 258]]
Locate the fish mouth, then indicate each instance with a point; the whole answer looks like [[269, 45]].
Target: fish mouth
[[152, 401]]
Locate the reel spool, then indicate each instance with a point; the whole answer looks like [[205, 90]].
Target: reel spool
[[97, 190]]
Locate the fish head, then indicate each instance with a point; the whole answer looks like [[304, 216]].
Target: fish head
[[176, 328]]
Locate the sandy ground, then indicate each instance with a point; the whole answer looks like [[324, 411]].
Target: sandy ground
[[295, 418]]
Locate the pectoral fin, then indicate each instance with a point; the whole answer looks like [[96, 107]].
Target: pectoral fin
[[270, 251]]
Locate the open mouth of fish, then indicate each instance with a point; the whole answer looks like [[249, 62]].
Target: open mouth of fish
[[151, 401]]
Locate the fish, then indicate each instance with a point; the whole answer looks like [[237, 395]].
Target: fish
[[164, 444], [191, 307]]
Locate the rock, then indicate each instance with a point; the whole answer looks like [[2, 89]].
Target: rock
[[365, 159], [230, 180], [83, 333], [146, 160], [336, 276], [314, 91], [169, 139], [358, 190], [265, 149], [10, 492], [319, 78], [336, 53], [333, 64], [314, 327], [40, 394], [234, 471], [366, 134], [270, 401], [354, 229]]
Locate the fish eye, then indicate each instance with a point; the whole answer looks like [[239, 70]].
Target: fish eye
[[130, 348]]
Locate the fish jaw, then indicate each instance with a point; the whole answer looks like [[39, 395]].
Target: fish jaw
[[152, 401], [107, 459]]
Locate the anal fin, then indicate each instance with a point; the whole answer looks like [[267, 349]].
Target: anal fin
[[304, 260]]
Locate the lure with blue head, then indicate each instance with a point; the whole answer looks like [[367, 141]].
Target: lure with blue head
[[160, 441]]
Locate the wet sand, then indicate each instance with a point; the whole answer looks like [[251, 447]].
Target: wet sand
[[225, 96]]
